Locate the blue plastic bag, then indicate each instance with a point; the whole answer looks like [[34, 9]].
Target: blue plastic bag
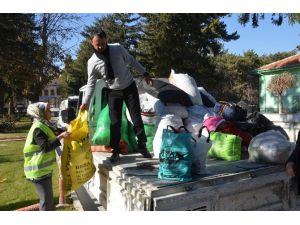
[[230, 111], [175, 158]]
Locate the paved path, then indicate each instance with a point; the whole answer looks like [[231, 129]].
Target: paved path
[[12, 139]]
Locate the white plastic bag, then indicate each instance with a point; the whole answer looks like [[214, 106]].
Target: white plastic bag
[[270, 146], [199, 152], [193, 125]]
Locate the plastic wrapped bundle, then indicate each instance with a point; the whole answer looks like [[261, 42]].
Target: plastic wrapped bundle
[[270, 146]]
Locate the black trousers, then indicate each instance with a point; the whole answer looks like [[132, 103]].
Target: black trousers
[[115, 102]]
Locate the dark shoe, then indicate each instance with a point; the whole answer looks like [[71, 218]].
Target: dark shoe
[[114, 158], [145, 153]]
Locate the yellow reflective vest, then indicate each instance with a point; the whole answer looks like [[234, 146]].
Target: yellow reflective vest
[[36, 162]]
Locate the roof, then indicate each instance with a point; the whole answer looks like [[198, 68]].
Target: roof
[[286, 62]]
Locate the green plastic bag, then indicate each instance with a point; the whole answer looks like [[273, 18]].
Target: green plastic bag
[[102, 134], [149, 130], [132, 142], [225, 146]]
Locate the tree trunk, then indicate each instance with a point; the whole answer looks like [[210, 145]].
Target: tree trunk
[[280, 105], [9, 109]]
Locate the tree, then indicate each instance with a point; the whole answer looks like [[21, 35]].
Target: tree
[[235, 76], [276, 18], [74, 74], [53, 30], [31, 52], [184, 42], [279, 84], [123, 28], [17, 56], [235, 80]]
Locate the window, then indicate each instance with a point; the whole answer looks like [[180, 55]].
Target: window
[[52, 92], [46, 92], [296, 104]]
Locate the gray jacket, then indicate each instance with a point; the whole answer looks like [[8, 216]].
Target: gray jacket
[[121, 61]]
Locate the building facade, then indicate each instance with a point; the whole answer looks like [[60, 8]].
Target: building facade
[[268, 102], [50, 93]]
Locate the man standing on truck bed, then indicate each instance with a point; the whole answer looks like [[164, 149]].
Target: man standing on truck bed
[[111, 62]]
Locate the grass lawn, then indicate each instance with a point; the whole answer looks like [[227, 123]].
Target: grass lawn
[[15, 191]]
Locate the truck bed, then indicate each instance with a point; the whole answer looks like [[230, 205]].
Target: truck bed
[[133, 184]]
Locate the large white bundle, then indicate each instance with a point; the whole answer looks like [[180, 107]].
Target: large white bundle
[[152, 100], [147, 104], [270, 146], [176, 109], [187, 84], [143, 97], [166, 120]]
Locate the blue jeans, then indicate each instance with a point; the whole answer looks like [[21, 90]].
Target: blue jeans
[[44, 189]]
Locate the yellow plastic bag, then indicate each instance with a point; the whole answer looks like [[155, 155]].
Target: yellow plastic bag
[[77, 160]]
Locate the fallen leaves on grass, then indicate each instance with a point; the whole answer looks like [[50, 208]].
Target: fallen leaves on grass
[[2, 180]]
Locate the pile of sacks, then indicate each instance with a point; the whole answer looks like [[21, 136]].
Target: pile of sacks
[[179, 102], [220, 130]]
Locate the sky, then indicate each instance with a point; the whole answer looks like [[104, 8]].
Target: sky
[[267, 38]]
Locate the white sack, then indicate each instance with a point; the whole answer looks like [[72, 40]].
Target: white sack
[[166, 120], [187, 84], [147, 117], [147, 103]]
